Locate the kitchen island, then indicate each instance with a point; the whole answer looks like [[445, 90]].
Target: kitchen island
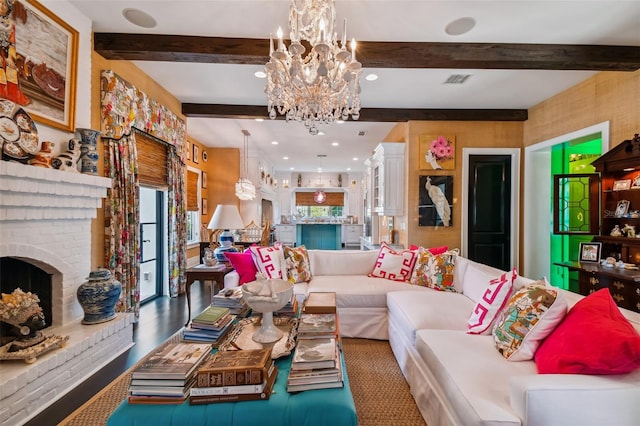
[[327, 236]]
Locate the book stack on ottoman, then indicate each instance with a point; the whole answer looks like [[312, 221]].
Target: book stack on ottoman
[[316, 359], [167, 374], [210, 325], [231, 298], [229, 376]]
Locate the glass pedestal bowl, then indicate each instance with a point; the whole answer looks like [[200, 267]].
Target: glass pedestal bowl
[[267, 296]]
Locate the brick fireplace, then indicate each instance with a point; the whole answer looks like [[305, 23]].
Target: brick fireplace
[[45, 220]]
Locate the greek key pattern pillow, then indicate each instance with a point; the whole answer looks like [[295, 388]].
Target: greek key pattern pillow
[[394, 265]]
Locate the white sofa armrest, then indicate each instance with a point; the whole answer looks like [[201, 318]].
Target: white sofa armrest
[[231, 279], [576, 399]]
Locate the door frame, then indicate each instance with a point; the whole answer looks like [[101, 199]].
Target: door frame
[[537, 186], [514, 153]]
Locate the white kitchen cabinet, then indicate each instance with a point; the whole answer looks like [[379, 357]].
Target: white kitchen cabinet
[[286, 234], [387, 179], [351, 235]]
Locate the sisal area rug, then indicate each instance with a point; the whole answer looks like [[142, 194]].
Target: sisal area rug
[[379, 390]]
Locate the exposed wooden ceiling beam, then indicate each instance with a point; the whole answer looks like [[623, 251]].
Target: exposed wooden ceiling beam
[[366, 114], [373, 54]]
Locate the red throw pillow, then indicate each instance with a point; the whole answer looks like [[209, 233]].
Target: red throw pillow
[[594, 338], [244, 266]]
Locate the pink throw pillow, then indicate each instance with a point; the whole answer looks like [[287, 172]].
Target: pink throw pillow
[[394, 265], [594, 338], [492, 301], [244, 266]]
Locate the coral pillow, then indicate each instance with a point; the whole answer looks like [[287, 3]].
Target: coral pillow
[[433, 250], [435, 271], [531, 315], [594, 338], [297, 265], [492, 301], [394, 265], [268, 260], [244, 266]]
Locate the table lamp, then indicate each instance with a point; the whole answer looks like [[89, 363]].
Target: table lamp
[[225, 217]]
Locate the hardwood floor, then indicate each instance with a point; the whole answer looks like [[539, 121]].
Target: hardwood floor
[[159, 319]]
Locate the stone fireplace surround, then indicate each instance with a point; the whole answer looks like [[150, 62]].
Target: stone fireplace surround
[[45, 220]]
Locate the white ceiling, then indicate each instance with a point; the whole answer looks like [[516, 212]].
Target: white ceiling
[[607, 22]]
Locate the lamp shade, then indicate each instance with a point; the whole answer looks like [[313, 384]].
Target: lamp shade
[[226, 216]]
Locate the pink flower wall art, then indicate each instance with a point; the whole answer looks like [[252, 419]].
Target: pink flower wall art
[[437, 152]]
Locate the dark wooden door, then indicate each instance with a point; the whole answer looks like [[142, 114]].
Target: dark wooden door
[[489, 221]]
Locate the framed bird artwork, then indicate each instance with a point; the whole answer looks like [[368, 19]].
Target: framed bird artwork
[[435, 204]]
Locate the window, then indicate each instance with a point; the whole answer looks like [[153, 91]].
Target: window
[[193, 227], [320, 211]]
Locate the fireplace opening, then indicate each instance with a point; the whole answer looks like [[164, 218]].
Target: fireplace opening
[[16, 273]]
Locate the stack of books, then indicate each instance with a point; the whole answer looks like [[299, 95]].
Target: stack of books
[[315, 365], [167, 374], [210, 325], [231, 298], [242, 375]]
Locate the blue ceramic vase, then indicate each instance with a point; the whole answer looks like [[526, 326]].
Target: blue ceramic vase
[[98, 296], [89, 150]]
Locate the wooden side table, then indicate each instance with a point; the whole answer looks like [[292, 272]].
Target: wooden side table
[[204, 273]]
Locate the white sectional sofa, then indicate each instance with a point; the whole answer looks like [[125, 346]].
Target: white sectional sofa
[[458, 378]]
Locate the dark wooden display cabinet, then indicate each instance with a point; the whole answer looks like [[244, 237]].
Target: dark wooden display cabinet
[[620, 200]]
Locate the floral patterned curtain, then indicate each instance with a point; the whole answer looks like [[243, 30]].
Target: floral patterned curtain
[[177, 232], [122, 218]]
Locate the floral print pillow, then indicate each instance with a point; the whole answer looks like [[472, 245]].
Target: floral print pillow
[[297, 265]]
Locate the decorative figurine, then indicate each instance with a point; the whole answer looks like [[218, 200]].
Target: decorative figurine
[[629, 231], [44, 157], [616, 232], [68, 160]]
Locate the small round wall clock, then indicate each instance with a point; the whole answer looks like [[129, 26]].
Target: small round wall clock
[[204, 156]]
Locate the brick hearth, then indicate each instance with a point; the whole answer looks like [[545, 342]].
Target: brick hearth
[[45, 220]]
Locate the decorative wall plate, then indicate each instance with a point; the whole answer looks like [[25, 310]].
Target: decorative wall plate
[[9, 130], [205, 156]]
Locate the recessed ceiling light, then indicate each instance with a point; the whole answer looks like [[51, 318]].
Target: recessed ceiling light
[[291, 168], [371, 77], [274, 142], [139, 18], [321, 133], [260, 74], [355, 158], [259, 120], [460, 26], [285, 158], [348, 169], [335, 143], [339, 121]]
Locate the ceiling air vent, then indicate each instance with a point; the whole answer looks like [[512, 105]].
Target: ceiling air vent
[[457, 78], [362, 133]]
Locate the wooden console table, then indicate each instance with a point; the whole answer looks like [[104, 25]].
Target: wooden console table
[[204, 273], [623, 284]]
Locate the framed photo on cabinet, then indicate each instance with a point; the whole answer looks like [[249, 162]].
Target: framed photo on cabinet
[[590, 252], [203, 183], [621, 185]]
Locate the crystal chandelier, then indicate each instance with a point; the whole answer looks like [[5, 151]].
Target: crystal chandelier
[[245, 189], [322, 86]]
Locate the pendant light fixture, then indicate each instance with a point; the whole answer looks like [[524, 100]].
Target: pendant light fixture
[[245, 189], [319, 197]]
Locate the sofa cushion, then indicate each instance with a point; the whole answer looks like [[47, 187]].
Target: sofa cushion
[[342, 262], [594, 338], [530, 315], [268, 260], [435, 271], [393, 265], [423, 307], [296, 264], [475, 279], [472, 375], [492, 301], [356, 291], [244, 265]]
